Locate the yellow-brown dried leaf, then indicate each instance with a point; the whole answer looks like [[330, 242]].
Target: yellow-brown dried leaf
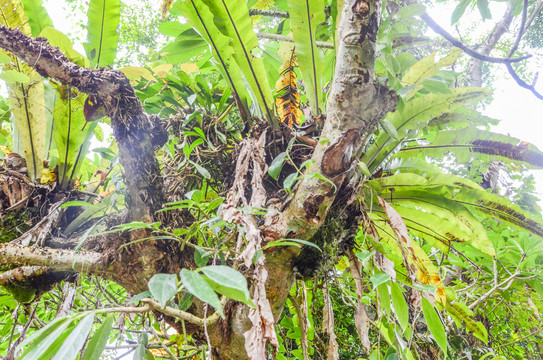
[[288, 101]]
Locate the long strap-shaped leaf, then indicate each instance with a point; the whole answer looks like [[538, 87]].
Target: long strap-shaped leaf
[[27, 100], [232, 19], [71, 136], [102, 35], [460, 191], [470, 143], [38, 18], [415, 115], [201, 18], [305, 15]]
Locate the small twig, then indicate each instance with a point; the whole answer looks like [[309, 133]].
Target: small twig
[[301, 325], [521, 30], [522, 83], [182, 315], [507, 282], [520, 339], [206, 306], [162, 344]]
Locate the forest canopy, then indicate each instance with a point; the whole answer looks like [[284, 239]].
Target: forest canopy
[[232, 179]]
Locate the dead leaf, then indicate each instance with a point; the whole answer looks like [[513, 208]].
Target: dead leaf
[[288, 101], [252, 156], [328, 325], [415, 259], [362, 322], [47, 176], [384, 264], [166, 6]]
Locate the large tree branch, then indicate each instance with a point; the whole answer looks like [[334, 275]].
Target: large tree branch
[[137, 134], [439, 30], [60, 260], [475, 65]]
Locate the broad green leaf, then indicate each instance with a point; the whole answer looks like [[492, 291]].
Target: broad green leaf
[[63, 42], [44, 332], [304, 18], [98, 341], [400, 305], [102, 35], [196, 285], [28, 108], [384, 297], [426, 68], [364, 168], [201, 18], [470, 144], [415, 115], [431, 209], [94, 211], [140, 296], [4, 58], [38, 18], [171, 28], [13, 76], [364, 256], [389, 129], [434, 325], [482, 5], [290, 181], [76, 339], [72, 137], [411, 10], [188, 45], [232, 19], [163, 287], [186, 302], [276, 165], [228, 282], [27, 100], [43, 345], [201, 257], [459, 11], [201, 170], [379, 279]]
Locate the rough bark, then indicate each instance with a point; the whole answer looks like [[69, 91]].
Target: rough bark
[[356, 104]]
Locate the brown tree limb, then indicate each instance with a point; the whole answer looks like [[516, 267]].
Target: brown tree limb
[[21, 274], [59, 260], [137, 134]]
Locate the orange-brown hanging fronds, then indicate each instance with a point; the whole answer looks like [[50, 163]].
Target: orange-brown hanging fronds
[[288, 99]]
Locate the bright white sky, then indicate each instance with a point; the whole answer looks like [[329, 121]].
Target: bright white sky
[[520, 112]]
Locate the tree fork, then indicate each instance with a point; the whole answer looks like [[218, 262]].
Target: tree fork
[[356, 103]]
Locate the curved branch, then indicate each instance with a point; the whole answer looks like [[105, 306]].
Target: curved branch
[[182, 315], [438, 29]]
